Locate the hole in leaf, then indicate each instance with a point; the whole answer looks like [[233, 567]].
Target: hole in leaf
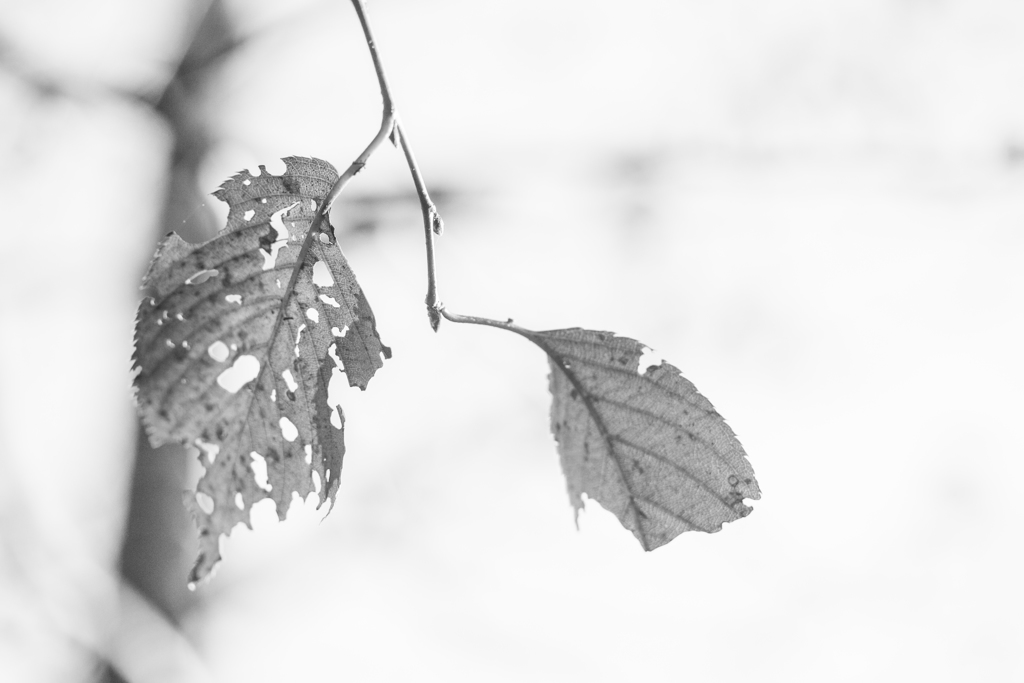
[[209, 449], [263, 514], [288, 430], [218, 351], [322, 275], [275, 167], [316, 482], [234, 299], [332, 351], [339, 333], [648, 359], [277, 224], [336, 388], [205, 502], [243, 370], [279, 234], [248, 214], [329, 300], [290, 380], [169, 343], [309, 454], [313, 314], [273, 395], [201, 277], [259, 471]]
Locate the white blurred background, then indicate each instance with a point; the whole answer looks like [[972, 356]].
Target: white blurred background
[[814, 208]]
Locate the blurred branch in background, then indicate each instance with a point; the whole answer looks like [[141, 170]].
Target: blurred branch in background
[[158, 542], [155, 555], [64, 120]]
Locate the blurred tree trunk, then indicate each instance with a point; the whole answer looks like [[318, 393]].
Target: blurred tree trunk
[[159, 542]]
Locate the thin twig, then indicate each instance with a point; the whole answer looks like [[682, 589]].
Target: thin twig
[[387, 124], [432, 223]]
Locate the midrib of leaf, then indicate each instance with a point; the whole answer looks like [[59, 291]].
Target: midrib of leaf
[[598, 420], [314, 227]]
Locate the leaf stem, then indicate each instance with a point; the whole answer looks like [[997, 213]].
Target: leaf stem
[[389, 126], [378, 66], [432, 225], [476, 320], [387, 122]]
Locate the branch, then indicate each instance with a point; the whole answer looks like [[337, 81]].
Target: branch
[[432, 224], [389, 125]]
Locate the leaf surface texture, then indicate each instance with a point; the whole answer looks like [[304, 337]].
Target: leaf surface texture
[[642, 442], [278, 304]]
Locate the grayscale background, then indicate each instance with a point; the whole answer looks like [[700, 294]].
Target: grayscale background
[[814, 208]]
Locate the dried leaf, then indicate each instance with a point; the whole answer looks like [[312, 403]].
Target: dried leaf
[[236, 344], [640, 440]]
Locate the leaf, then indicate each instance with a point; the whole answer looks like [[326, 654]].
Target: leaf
[[641, 441], [236, 344]]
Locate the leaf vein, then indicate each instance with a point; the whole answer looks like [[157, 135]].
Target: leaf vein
[[654, 416], [685, 472], [673, 514]]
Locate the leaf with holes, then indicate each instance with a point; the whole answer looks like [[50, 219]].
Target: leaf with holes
[[639, 439], [238, 342]]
